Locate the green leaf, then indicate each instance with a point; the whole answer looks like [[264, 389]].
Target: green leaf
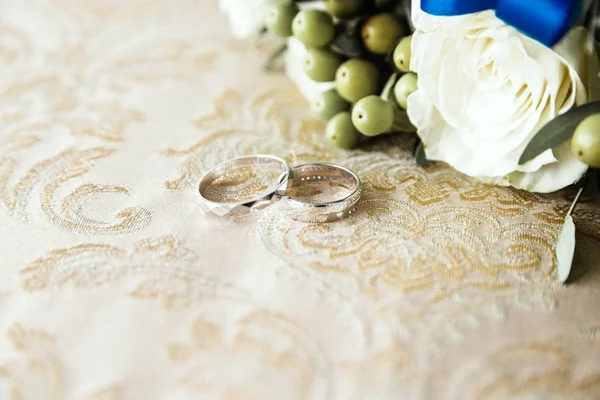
[[347, 41], [593, 64], [402, 122], [421, 158], [565, 249], [565, 245], [269, 65], [385, 5], [558, 131]]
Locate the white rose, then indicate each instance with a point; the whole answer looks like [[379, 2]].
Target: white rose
[[485, 90], [246, 17]]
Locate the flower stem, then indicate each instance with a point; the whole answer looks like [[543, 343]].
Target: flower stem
[[269, 65], [575, 202]]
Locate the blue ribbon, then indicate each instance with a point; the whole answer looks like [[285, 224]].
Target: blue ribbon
[[546, 21]]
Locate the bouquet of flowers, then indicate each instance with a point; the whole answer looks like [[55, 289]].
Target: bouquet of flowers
[[506, 95]]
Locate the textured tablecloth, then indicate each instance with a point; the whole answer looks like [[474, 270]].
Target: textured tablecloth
[[114, 284]]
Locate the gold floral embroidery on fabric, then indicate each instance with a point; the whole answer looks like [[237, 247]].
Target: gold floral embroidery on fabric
[[38, 366], [110, 393], [281, 356], [38, 369], [56, 104], [550, 365], [106, 120], [111, 11], [162, 271], [89, 104], [400, 246], [517, 369], [47, 177], [15, 45], [260, 125], [84, 99], [157, 61]]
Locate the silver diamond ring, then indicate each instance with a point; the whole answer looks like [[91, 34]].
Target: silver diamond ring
[[321, 192]]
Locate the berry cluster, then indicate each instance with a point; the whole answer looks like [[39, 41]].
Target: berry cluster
[[362, 45]]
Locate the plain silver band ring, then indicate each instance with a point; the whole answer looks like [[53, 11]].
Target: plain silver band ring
[[223, 208]]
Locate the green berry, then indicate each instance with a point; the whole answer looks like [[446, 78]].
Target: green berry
[[405, 86], [343, 8], [586, 141], [402, 54], [279, 19], [356, 79], [320, 65], [314, 28], [373, 116], [341, 132], [381, 32], [328, 104]]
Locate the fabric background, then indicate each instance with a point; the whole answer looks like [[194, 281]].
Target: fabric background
[[114, 284]]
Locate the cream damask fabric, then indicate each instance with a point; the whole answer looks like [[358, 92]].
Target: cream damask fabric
[[114, 284]]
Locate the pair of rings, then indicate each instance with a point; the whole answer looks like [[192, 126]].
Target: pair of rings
[[315, 192]]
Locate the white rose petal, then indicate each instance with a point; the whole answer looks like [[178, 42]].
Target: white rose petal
[[485, 90], [566, 171], [246, 17]]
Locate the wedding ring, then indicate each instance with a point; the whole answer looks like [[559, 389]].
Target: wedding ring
[[243, 183], [321, 192], [314, 192]]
